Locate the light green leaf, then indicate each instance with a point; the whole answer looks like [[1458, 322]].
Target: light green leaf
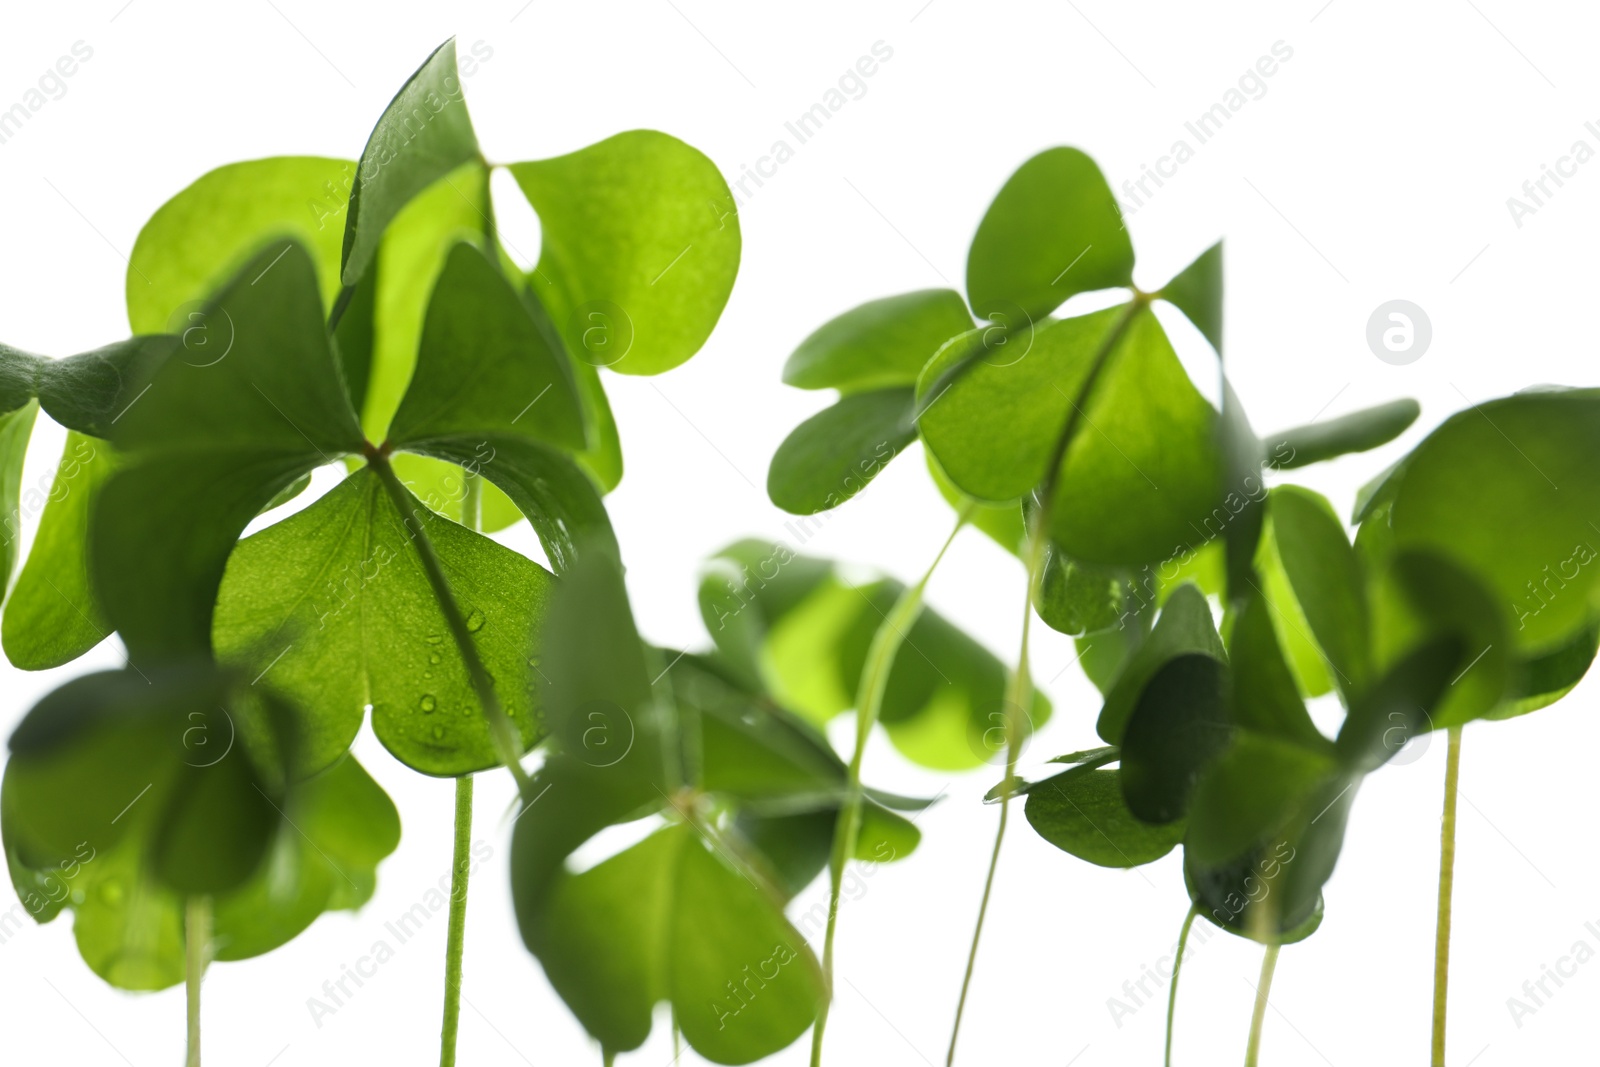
[[831, 456], [333, 608], [640, 228], [603, 458], [410, 257], [199, 239], [1535, 547], [1076, 597], [443, 487], [1326, 580], [1053, 230], [16, 427], [423, 135], [882, 343], [1197, 292], [52, 617]]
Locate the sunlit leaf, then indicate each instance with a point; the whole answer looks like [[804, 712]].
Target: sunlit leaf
[[641, 229], [52, 616], [1053, 230]]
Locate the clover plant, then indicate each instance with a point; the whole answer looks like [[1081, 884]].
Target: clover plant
[[298, 314], [290, 314]]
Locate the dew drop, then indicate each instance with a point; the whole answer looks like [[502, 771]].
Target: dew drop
[[428, 703], [438, 733], [475, 621], [434, 639], [433, 658]]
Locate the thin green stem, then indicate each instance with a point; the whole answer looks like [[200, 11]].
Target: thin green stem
[[886, 642], [197, 954], [500, 725], [1447, 878], [1019, 693], [1269, 963], [471, 500], [456, 938], [1177, 965]]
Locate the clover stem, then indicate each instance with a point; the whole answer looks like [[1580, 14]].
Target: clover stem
[[886, 642], [500, 725], [1447, 877], [1177, 965], [197, 953], [1269, 962], [456, 938], [1019, 692]]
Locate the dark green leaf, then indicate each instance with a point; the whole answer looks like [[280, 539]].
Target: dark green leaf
[[1179, 724], [211, 443], [1053, 230], [1265, 697], [880, 344], [670, 919], [1358, 431], [1085, 815], [832, 456], [88, 392], [1183, 628], [19, 372], [423, 135], [483, 365]]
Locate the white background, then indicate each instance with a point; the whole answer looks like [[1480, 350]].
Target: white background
[[1376, 166]]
